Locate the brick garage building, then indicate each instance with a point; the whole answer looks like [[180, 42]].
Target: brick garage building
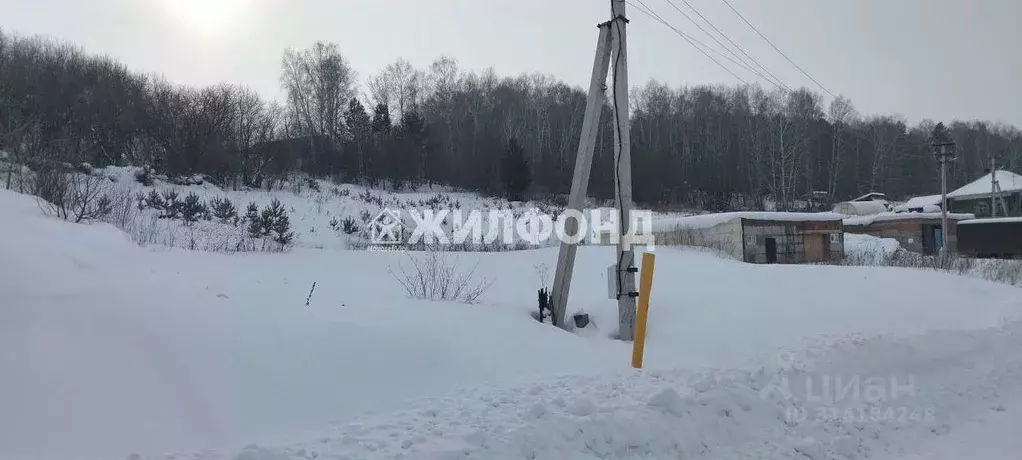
[[760, 237], [991, 238], [915, 231]]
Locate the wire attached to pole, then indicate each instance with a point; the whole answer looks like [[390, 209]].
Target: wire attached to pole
[[620, 147]]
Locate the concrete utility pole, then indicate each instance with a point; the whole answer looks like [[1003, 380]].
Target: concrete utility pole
[[995, 192], [580, 180], [944, 150], [993, 187], [626, 269], [611, 49]]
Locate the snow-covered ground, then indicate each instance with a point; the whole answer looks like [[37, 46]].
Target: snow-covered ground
[[869, 248], [108, 349], [316, 209]]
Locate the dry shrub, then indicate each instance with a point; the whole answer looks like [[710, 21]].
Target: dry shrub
[[682, 236], [73, 196], [435, 276]]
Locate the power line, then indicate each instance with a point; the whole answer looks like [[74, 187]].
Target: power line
[[800, 69], [853, 110], [824, 88], [696, 44], [712, 37], [692, 40], [773, 81], [689, 39], [739, 48]]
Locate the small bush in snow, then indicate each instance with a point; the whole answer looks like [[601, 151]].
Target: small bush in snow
[[368, 197], [223, 210], [282, 233], [996, 270], [171, 206], [144, 176], [313, 185], [192, 209], [255, 221], [349, 226], [122, 211], [151, 201], [366, 216], [271, 224], [276, 224], [433, 276], [268, 216]]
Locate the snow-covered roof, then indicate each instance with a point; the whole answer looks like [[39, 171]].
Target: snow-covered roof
[[861, 208], [871, 196], [1007, 180], [889, 216], [994, 220], [712, 220], [919, 202]]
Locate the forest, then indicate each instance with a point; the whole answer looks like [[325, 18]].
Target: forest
[[709, 147]]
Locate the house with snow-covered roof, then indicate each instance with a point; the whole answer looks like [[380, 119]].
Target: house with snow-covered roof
[[861, 208], [920, 232], [759, 237], [871, 196], [996, 194], [928, 203]]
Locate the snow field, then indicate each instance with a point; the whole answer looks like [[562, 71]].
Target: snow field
[[109, 349], [950, 379]]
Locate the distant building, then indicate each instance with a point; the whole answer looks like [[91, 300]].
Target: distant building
[[871, 196], [861, 208], [928, 203], [999, 237], [916, 231], [979, 196], [760, 237]]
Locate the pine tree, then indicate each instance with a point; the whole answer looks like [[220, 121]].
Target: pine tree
[[940, 133], [381, 119], [282, 233], [515, 171], [192, 209], [361, 127], [255, 222], [409, 149], [223, 209]]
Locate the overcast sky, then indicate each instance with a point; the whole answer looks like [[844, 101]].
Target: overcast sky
[[937, 59]]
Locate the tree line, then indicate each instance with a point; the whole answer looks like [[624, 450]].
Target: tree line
[[714, 147]]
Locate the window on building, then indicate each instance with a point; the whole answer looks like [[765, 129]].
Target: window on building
[[835, 238], [750, 240], [982, 208]]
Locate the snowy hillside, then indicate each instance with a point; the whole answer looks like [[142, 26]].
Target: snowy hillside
[[317, 210], [109, 349]]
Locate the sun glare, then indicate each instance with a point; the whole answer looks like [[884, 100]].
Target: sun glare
[[207, 17]]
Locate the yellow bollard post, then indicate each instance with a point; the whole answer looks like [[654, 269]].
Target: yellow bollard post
[[645, 285]]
